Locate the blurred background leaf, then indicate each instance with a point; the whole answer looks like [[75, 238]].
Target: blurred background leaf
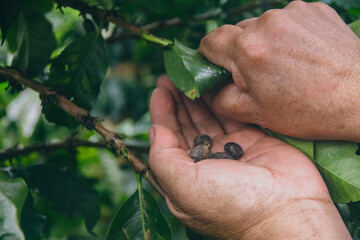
[[50, 44], [13, 193]]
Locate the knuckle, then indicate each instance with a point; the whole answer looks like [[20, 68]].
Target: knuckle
[[252, 48], [297, 4], [272, 16], [215, 36], [217, 39], [276, 21], [204, 43], [320, 5], [222, 32]]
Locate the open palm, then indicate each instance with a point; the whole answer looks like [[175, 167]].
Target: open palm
[[229, 197]]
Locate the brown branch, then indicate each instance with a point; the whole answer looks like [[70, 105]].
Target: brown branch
[[177, 21], [70, 144], [47, 147], [111, 138], [206, 16], [113, 16], [251, 7], [197, 18], [104, 14]]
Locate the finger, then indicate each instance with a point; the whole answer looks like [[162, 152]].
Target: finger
[[162, 112], [188, 130], [242, 133], [184, 181], [247, 22], [164, 81], [178, 175], [228, 125], [186, 125], [168, 161], [202, 118], [233, 103], [231, 125], [218, 45]]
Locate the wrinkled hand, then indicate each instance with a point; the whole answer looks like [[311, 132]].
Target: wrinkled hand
[[296, 71], [272, 192]]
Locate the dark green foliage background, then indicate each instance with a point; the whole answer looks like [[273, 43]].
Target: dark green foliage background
[[74, 193]]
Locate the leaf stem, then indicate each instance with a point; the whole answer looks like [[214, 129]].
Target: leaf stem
[[113, 16], [140, 192], [111, 138], [153, 39]]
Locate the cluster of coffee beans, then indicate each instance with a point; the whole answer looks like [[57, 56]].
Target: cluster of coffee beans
[[202, 145]]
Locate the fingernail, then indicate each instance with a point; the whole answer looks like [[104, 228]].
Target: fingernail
[[151, 135]]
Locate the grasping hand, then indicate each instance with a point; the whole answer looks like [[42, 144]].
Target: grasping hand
[[296, 71], [272, 192]]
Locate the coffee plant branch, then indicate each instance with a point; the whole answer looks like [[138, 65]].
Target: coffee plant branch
[[70, 144], [213, 14], [206, 16], [18, 79], [114, 17]]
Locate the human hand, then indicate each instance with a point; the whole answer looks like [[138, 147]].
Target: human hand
[[272, 192], [296, 71]]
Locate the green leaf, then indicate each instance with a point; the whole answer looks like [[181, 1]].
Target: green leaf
[[340, 168], [346, 4], [40, 6], [178, 230], [55, 114], [305, 146], [13, 193], [32, 223], [35, 43], [11, 36], [9, 10], [337, 163], [355, 27], [211, 24], [190, 72], [184, 8], [192, 235], [354, 11], [78, 73], [80, 69], [65, 192], [127, 222], [157, 6]]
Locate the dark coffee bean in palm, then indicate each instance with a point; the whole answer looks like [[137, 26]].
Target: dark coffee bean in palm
[[358, 149], [233, 149], [220, 155], [202, 139], [200, 152]]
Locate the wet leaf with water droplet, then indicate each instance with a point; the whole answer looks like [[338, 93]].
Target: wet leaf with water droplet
[[190, 72]]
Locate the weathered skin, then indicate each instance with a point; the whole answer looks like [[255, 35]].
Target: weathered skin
[[296, 72]]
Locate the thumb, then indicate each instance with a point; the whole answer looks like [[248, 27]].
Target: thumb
[[161, 137], [234, 103], [166, 158]]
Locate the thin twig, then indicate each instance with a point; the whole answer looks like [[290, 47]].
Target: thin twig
[[111, 138], [206, 16], [218, 12], [70, 144], [108, 15], [47, 147], [113, 16]]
